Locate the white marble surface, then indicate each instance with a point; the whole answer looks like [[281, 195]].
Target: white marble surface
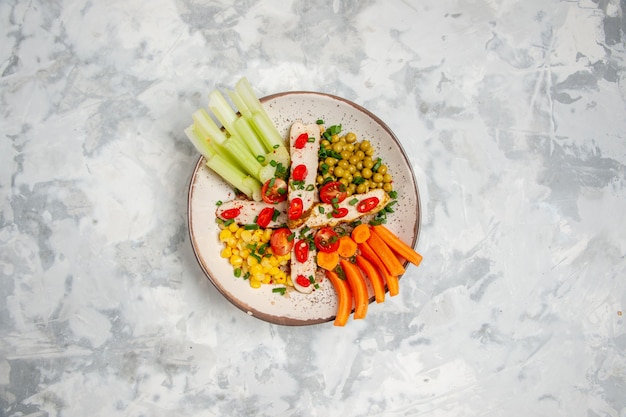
[[513, 115]]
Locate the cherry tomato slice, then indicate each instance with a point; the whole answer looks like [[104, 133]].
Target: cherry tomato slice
[[340, 212], [230, 213], [366, 205], [274, 191], [299, 172], [301, 250], [280, 242], [301, 141], [265, 216], [333, 192], [303, 281], [295, 209], [326, 240]]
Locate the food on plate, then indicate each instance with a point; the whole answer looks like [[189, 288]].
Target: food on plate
[[306, 209]]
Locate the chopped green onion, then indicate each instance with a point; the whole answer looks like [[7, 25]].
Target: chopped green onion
[[229, 222], [311, 139], [260, 158], [320, 209], [251, 226], [291, 237], [237, 272], [393, 194], [319, 122], [353, 201], [279, 290], [310, 187], [219, 203], [358, 180], [377, 165]]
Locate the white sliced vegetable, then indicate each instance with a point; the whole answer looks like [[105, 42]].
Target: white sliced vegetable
[[322, 213], [306, 269], [304, 160], [245, 212]]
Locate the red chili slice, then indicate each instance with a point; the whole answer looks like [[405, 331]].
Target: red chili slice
[[303, 281], [230, 213], [295, 209], [301, 250], [340, 212], [265, 216], [301, 141], [368, 204], [299, 172]]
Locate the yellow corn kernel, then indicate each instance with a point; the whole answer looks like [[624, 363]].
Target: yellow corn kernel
[[225, 234], [256, 269], [236, 260], [258, 234], [254, 283], [280, 278], [244, 253], [231, 241], [233, 227], [267, 235], [246, 236], [288, 281], [226, 252], [238, 232], [266, 279], [251, 260], [273, 261]]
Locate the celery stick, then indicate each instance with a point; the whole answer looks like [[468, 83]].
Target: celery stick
[[207, 127], [234, 124], [240, 104], [222, 110], [249, 136], [202, 145], [232, 175], [245, 158], [269, 132]]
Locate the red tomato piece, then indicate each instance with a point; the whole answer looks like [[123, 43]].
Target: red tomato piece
[[265, 216], [230, 213], [326, 240], [303, 281], [295, 209], [333, 192], [301, 141], [340, 212], [366, 205], [274, 191], [301, 250], [299, 172], [281, 241]]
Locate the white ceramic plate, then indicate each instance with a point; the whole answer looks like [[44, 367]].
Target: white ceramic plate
[[206, 189]]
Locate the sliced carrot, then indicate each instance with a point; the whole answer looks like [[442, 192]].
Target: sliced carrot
[[344, 298], [357, 286], [374, 276], [397, 245], [327, 260], [386, 254], [392, 281], [361, 233], [347, 247]]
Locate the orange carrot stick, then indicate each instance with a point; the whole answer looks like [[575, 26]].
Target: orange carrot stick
[[344, 298], [397, 245], [392, 281], [374, 276], [357, 286], [347, 247], [386, 254], [327, 260], [361, 233]]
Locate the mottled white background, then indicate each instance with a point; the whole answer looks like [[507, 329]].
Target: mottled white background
[[513, 116]]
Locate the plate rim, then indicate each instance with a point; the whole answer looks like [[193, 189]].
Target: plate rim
[[287, 321]]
